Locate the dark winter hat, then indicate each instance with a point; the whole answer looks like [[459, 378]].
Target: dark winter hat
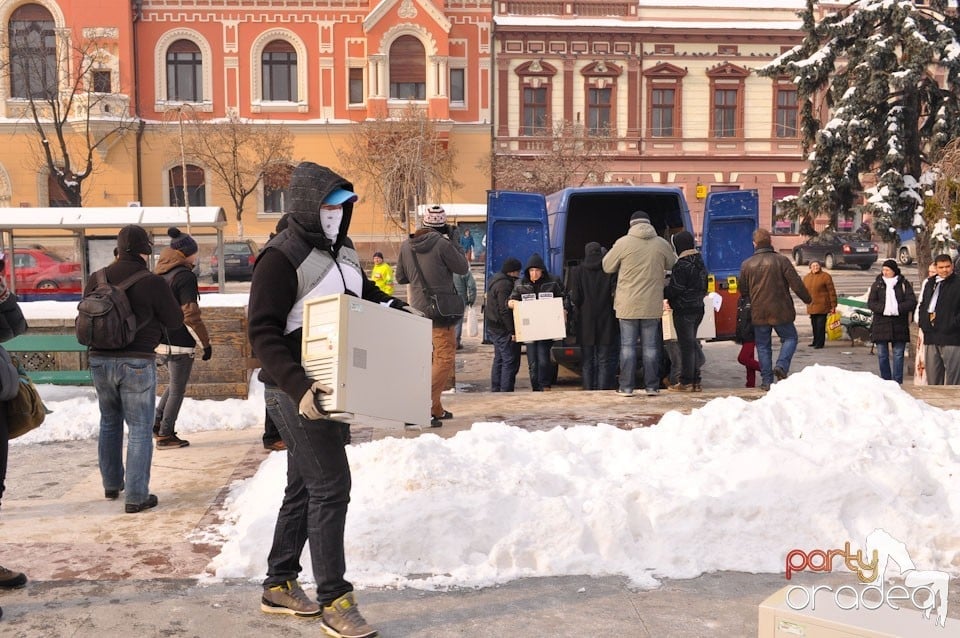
[[592, 248], [892, 265], [435, 217], [639, 217], [181, 241], [378, 254], [682, 241], [511, 264], [133, 240]]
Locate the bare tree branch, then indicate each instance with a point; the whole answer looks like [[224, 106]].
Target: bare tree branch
[[404, 161], [73, 122], [240, 154]]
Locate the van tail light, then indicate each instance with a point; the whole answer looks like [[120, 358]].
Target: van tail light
[[251, 259], [846, 249]]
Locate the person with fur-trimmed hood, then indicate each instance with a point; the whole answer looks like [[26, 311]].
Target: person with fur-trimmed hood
[[177, 348], [537, 283], [311, 257]]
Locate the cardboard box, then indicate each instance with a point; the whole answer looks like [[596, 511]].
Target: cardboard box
[[539, 319], [377, 359], [827, 619]]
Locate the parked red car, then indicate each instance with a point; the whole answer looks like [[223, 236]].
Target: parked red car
[[40, 271]]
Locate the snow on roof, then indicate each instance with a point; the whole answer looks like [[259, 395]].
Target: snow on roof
[[608, 23], [110, 217]]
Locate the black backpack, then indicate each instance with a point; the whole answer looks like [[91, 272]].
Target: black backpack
[[105, 320]]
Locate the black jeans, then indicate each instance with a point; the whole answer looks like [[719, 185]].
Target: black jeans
[[819, 325], [270, 433], [315, 502], [686, 324]]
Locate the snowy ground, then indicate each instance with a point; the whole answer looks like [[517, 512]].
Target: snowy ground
[[825, 457]]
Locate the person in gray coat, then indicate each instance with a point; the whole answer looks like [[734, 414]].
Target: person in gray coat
[[640, 259], [429, 251]]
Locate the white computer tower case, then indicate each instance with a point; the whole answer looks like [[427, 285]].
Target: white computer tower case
[[539, 319], [377, 359]]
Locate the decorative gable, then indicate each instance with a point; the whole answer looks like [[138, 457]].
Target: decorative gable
[[408, 10]]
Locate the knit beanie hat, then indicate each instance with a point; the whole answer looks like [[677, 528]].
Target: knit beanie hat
[[639, 217], [682, 241], [511, 264], [435, 217], [133, 240], [181, 241], [892, 265]]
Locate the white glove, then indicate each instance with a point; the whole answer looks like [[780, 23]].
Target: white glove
[[310, 406], [413, 311]]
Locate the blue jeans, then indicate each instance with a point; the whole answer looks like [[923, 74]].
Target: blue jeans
[[648, 330], [686, 324], [506, 362], [539, 365], [179, 367], [315, 502], [599, 367], [788, 345], [883, 357], [126, 391]]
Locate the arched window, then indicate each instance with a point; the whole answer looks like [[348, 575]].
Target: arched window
[[408, 69], [184, 72], [196, 189], [279, 63], [33, 53]]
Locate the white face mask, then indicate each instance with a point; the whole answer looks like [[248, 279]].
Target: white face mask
[[330, 219]]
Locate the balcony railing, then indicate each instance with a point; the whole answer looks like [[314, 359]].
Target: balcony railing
[[581, 8]]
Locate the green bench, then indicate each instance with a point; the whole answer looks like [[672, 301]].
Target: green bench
[[43, 343]]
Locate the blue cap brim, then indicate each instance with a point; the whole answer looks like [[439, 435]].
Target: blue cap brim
[[340, 196]]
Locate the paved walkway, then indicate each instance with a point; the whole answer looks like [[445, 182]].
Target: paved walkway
[[98, 572]]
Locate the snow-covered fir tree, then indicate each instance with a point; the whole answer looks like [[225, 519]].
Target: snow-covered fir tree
[[888, 74]]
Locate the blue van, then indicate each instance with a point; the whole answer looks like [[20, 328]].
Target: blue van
[[559, 225]]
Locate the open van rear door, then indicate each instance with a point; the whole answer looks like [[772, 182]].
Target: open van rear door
[[516, 227], [729, 219]]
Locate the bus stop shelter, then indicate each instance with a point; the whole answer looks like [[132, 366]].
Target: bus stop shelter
[[93, 233]]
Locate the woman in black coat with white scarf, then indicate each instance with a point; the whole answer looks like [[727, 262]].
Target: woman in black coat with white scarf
[[891, 300]]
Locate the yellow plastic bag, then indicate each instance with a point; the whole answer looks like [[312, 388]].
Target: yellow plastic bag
[[834, 328]]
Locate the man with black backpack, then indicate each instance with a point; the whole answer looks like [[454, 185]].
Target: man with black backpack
[[125, 376]]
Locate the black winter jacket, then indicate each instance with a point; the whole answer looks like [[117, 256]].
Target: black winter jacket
[[889, 327], [688, 284], [497, 317], [12, 322], [152, 302], [547, 285], [591, 295], [944, 329], [280, 283]]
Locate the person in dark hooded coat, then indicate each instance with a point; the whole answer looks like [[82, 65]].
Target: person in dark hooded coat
[[538, 282], [311, 257], [598, 333], [685, 292], [892, 301]]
